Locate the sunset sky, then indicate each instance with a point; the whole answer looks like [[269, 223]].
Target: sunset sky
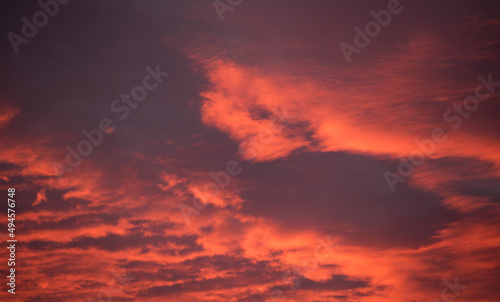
[[251, 150]]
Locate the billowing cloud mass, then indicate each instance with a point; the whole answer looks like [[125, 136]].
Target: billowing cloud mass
[[269, 165]]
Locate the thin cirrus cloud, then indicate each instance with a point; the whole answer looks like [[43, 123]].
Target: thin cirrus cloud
[[320, 176]]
